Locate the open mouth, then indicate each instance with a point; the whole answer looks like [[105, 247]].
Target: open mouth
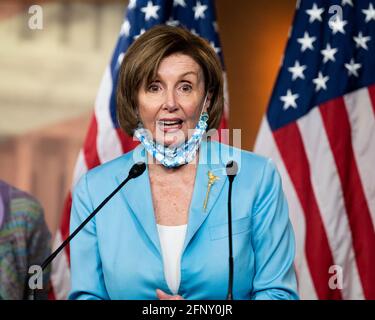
[[168, 125]]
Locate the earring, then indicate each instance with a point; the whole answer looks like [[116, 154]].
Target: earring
[[205, 116]]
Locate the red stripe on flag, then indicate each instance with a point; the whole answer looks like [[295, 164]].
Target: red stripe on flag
[[51, 292], [127, 143], [318, 253], [371, 91], [64, 231], [65, 222], [89, 148], [337, 125]]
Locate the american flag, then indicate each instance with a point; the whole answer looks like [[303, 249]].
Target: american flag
[[104, 140], [320, 130]]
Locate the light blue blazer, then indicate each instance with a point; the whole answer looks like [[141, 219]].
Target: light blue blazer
[[118, 256]]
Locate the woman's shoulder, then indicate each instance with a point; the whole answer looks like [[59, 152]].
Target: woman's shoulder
[[253, 169], [246, 158], [255, 172], [117, 167]]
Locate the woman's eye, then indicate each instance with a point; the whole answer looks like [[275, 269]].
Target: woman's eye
[[186, 88], [153, 88]]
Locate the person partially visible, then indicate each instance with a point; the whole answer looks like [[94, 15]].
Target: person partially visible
[[24, 241]]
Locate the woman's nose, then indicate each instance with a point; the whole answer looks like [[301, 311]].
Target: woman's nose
[[170, 100]]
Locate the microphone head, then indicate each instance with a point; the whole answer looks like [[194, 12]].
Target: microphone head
[[231, 168], [137, 169]]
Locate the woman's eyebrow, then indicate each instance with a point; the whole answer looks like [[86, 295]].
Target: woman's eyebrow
[[198, 75], [194, 73], [188, 73]]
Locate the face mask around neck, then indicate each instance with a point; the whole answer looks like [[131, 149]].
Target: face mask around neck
[[172, 157]]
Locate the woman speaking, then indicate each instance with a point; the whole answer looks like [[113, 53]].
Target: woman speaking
[[165, 234]]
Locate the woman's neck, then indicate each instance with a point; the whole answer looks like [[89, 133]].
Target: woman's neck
[[154, 166]]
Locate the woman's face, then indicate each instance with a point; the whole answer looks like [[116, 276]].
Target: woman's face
[[170, 106]]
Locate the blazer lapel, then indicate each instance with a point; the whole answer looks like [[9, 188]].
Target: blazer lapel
[[208, 161], [137, 194]]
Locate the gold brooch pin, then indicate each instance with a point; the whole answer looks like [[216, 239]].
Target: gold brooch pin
[[211, 180]]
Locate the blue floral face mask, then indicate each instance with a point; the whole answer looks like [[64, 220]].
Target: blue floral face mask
[[179, 155]]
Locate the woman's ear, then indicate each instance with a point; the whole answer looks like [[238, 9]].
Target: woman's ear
[[208, 100], [210, 93]]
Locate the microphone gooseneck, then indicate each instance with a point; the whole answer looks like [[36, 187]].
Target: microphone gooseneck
[[135, 171], [231, 170]]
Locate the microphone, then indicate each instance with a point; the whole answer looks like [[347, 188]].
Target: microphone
[[231, 169], [135, 171]]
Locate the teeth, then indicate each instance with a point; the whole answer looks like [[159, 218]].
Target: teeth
[[170, 122]]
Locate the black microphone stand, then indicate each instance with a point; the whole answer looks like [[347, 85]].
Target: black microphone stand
[[231, 169], [135, 171]]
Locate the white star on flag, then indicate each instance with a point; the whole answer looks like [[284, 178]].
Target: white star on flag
[[217, 50], [289, 100], [150, 11], [349, 2], [199, 10], [370, 13], [361, 41], [125, 28], [172, 22], [315, 13], [140, 33], [329, 53], [297, 71], [132, 4], [306, 42], [194, 32], [120, 58], [337, 25], [179, 3], [353, 68], [321, 82]]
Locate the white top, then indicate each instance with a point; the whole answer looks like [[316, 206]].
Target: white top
[[172, 239]]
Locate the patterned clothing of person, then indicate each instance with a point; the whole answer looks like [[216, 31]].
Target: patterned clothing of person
[[24, 241]]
